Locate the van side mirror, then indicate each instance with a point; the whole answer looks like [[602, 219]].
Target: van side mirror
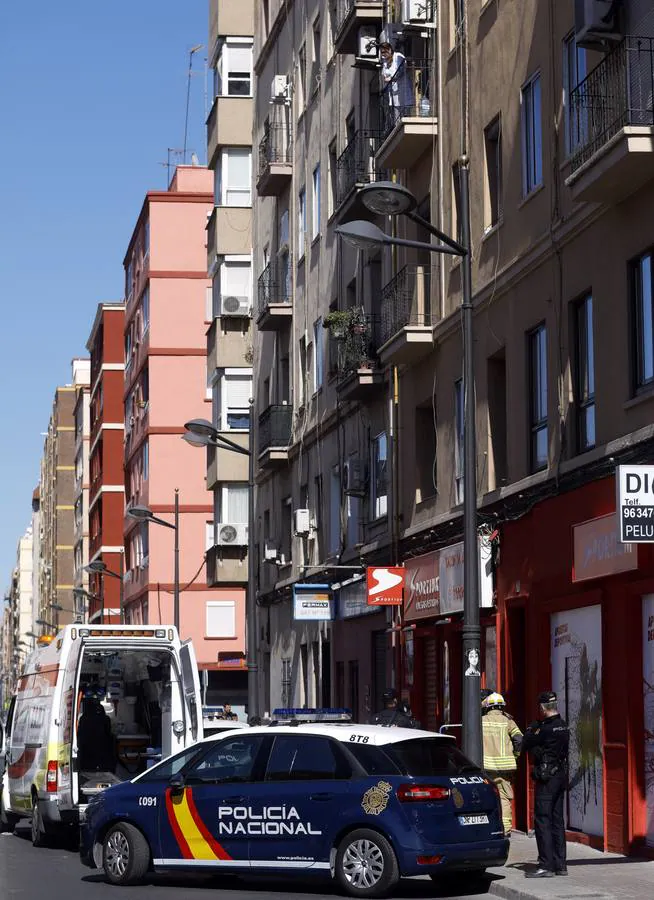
[[176, 783]]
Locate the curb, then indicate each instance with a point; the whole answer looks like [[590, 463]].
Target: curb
[[501, 888]]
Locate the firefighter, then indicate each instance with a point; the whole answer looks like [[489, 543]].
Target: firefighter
[[502, 744]]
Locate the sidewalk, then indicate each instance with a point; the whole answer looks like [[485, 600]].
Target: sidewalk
[[593, 875]]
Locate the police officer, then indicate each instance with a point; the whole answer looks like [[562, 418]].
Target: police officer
[[391, 714], [547, 740], [502, 743]]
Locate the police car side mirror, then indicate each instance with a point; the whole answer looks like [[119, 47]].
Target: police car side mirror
[[176, 783]]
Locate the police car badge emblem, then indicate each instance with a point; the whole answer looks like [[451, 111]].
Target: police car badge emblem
[[375, 799], [457, 796]]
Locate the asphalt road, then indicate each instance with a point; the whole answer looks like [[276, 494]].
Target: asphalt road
[[56, 874]]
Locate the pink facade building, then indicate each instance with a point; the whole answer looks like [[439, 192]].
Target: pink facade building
[[167, 315]]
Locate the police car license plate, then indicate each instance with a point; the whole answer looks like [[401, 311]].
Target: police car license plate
[[473, 820]]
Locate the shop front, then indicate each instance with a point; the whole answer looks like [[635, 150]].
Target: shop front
[[576, 614], [431, 635]]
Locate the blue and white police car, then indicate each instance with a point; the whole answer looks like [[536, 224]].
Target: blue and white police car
[[364, 804]]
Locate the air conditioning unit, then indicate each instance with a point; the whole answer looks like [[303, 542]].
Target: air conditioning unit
[[354, 477], [270, 552], [302, 521], [595, 23], [232, 535], [279, 89], [235, 306], [417, 12], [367, 46]]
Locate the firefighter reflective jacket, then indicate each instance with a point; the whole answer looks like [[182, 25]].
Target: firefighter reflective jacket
[[502, 741]]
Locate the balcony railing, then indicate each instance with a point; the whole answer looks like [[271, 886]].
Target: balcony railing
[[356, 164], [616, 93], [406, 94], [355, 346], [274, 285], [275, 427], [275, 148], [405, 301]]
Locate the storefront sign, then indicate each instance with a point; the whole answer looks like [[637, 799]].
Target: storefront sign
[[312, 603], [635, 486], [422, 595], [434, 583], [385, 585], [598, 550], [648, 712], [353, 600]]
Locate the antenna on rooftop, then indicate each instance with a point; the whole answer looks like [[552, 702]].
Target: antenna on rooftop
[[192, 51]]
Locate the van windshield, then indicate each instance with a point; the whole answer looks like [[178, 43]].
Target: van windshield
[[429, 756]]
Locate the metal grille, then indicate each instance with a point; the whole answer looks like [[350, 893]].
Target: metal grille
[[358, 348], [406, 301], [356, 164], [274, 285], [275, 147], [275, 427], [406, 95], [618, 92]]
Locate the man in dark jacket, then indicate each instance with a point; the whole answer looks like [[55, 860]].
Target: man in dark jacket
[[391, 714], [547, 740]]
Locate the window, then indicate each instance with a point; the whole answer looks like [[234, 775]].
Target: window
[[232, 759], [425, 444], [232, 503], [233, 178], [287, 683], [585, 374], [302, 375], [459, 420], [315, 217], [332, 27], [457, 17], [145, 310], [334, 510], [287, 530], [235, 390], [641, 289], [319, 352], [146, 239], [538, 397], [497, 420], [424, 756], [456, 203], [301, 221], [353, 511], [302, 77], [236, 280], [172, 765], [574, 72], [493, 173], [332, 178], [220, 619], [532, 136], [305, 757], [210, 535], [233, 72], [315, 65], [379, 492]]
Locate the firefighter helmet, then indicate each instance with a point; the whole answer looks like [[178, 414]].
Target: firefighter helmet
[[493, 701]]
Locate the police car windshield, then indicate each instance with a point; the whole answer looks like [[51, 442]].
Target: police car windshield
[[428, 756]]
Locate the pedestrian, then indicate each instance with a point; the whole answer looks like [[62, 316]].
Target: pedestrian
[[396, 81], [547, 740], [502, 744], [391, 714], [228, 714]]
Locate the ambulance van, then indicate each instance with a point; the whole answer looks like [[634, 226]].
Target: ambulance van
[[94, 706]]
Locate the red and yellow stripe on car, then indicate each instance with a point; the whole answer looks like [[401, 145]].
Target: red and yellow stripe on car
[[193, 837]]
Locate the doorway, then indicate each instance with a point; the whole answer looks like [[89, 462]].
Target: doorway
[[516, 702]]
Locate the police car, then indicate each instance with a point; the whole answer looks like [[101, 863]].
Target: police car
[[364, 804]]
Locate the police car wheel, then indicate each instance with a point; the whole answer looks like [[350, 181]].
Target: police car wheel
[[125, 854], [366, 865]]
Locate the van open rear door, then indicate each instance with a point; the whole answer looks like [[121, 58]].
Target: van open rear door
[[191, 688]]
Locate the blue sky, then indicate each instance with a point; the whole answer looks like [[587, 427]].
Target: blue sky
[[92, 95]]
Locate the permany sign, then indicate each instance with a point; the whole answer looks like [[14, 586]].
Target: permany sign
[[635, 500], [385, 585]]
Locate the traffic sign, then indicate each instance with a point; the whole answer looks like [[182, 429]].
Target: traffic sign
[[385, 585], [635, 487]]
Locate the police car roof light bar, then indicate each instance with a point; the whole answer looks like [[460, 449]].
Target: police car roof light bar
[[297, 715]]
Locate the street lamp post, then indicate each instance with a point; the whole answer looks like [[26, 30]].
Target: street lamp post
[[388, 198], [201, 433], [145, 514]]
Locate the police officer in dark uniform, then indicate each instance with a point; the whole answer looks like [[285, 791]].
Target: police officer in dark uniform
[[547, 741], [391, 714]]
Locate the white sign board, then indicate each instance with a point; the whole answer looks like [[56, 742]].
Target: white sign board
[[313, 606], [635, 486]]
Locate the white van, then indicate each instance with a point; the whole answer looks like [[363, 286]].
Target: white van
[[93, 707]]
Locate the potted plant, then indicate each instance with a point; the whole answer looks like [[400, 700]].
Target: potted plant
[[337, 321]]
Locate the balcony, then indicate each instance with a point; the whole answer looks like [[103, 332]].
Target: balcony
[[227, 346], [612, 123], [274, 307], [227, 565], [229, 124], [229, 230], [275, 424], [275, 160], [353, 344], [406, 324], [355, 167], [408, 123], [226, 465], [351, 15]]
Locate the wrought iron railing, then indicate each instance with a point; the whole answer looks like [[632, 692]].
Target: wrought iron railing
[[275, 427], [274, 285], [616, 93], [356, 347], [405, 301], [356, 164], [345, 7], [405, 94], [275, 146]]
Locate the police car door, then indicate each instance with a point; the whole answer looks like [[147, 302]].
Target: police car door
[[303, 801], [208, 812]]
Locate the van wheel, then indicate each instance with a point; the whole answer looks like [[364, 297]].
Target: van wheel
[[125, 854], [366, 865], [39, 833]]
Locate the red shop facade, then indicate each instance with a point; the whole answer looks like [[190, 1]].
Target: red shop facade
[[432, 669], [576, 614]]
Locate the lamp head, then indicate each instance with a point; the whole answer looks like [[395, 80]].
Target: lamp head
[[97, 567], [196, 440], [142, 513], [201, 427], [362, 235], [387, 198]]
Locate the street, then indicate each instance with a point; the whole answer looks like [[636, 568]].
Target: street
[[56, 873]]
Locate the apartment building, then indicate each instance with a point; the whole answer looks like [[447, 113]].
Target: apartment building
[[82, 419], [365, 429], [229, 311], [102, 593], [166, 320]]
